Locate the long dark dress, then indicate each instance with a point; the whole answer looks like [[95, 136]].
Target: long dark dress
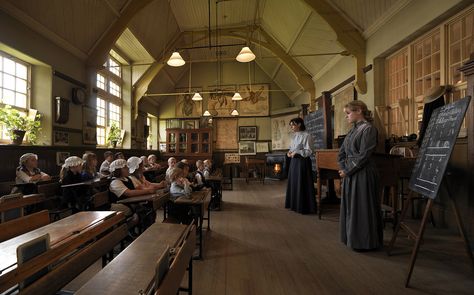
[[361, 218], [300, 194]]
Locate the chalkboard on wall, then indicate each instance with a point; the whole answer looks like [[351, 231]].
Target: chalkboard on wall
[[437, 147], [314, 123]]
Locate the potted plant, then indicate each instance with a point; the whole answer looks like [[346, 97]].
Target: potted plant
[[18, 124], [114, 135]]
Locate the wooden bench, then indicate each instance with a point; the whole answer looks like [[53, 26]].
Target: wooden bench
[[16, 227]]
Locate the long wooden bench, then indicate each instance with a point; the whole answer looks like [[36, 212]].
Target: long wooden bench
[[16, 227]]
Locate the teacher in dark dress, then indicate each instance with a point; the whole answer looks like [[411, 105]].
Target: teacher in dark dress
[[361, 218], [300, 195]]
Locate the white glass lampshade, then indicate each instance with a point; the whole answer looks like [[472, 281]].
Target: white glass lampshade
[[245, 55], [237, 96], [206, 114], [234, 113], [176, 60], [197, 96]]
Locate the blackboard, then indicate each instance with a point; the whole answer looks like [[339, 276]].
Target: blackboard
[[437, 147], [314, 123]]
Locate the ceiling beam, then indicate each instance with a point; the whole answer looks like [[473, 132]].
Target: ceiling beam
[[303, 78], [347, 35], [99, 54], [141, 86]]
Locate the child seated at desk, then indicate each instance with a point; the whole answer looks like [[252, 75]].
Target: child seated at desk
[[28, 172], [136, 169], [180, 187], [153, 162], [199, 175], [73, 197], [122, 187], [89, 169], [171, 164], [104, 167]]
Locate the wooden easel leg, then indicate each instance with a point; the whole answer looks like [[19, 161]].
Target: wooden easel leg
[[398, 225], [462, 232], [419, 238]]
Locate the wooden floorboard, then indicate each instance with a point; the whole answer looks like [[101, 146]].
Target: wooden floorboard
[[256, 246]]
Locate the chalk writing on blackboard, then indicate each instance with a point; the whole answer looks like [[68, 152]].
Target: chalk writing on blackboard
[[314, 123], [437, 147]]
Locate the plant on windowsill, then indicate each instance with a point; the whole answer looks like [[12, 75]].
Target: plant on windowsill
[[114, 136], [18, 124]]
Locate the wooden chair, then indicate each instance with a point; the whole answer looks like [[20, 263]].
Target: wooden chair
[[52, 192], [13, 213], [16, 227], [171, 282], [255, 170]]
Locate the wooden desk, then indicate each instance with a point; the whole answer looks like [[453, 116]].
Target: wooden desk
[[69, 238], [23, 202], [58, 231], [91, 183], [387, 165], [133, 270], [216, 183], [157, 200], [200, 199], [259, 167]]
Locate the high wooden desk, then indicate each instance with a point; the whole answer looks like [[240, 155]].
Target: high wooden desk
[[133, 270], [201, 200], [61, 232], [387, 165]]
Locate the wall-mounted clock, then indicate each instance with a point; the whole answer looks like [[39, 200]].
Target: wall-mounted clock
[[79, 95]]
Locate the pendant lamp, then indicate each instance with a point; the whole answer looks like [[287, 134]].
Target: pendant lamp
[[234, 112], [176, 60], [245, 55], [237, 96], [206, 114], [197, 97]]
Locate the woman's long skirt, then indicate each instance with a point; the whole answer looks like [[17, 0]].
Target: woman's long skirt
[[300, 194], [361, 217]]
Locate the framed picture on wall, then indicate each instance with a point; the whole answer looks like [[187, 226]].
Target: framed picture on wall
[[247, 132], [60, 138], [247, 148]]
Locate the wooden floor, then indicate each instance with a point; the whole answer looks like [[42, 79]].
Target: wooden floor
[[256, 246]]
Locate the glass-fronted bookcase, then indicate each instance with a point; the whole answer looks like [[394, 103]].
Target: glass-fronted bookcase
[[189, 142]]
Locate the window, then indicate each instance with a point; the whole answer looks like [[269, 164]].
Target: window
[[149, 141], [14, 86], [427, 62], [109, 102]]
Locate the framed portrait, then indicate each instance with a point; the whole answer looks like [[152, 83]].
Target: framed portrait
[[247, 132], [61, 157], [89, 125], [247, 148], [60, 138]]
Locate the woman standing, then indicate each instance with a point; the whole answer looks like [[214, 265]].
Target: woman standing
[[300, 195], [361, 218]]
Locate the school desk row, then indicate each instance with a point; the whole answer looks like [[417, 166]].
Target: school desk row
[[43, 260]]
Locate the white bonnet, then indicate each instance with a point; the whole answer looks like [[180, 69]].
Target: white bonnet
[[72, 162], [117, 164], [133, 163]]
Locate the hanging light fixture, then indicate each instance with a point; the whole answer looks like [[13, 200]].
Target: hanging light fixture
[[197, 97], [237, 96], [206, 114], [234, 112], [245, 55], [176, 60]]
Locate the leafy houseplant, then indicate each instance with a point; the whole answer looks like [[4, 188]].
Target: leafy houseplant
[[114, 135], [18, 124]]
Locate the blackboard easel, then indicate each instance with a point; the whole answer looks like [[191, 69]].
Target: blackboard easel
[[429, 174]]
